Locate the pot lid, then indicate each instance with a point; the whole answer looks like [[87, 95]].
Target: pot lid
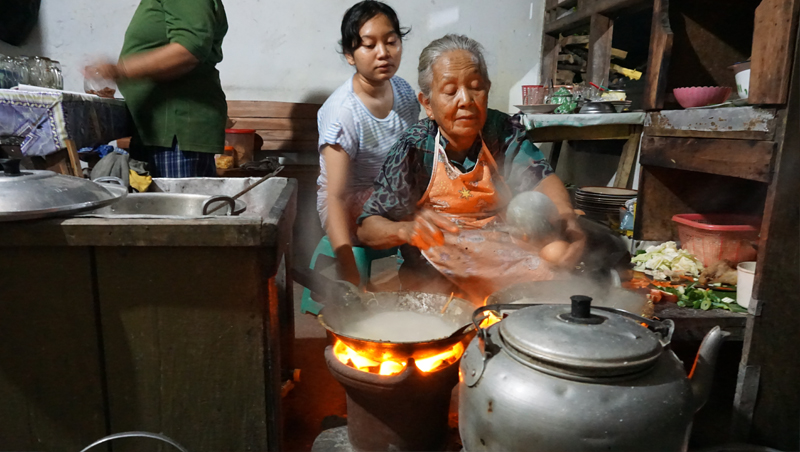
[[580, 340], [31, 194]]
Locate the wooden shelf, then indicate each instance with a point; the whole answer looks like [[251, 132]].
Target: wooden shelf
[[744, 123], [744, 159], [693, 324]]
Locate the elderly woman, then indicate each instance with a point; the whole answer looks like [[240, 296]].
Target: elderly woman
[[443, 189]]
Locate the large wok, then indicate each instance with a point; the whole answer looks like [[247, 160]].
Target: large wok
[[344, 305]]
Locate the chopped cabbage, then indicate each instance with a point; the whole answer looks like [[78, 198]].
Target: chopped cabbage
[[666, 261]]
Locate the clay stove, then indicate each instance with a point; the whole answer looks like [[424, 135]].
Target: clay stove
[[390, 405]]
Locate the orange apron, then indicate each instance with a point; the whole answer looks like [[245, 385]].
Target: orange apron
[[481, 258]]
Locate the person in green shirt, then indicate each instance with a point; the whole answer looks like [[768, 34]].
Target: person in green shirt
[[167, 73]]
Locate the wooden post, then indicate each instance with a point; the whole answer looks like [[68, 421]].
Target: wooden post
[[766, 404], [74, 159], [775, 25], [628, 158], [601, 30], [658, 58], [550, 51]]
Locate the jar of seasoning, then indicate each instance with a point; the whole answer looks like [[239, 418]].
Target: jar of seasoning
[[227, 159]]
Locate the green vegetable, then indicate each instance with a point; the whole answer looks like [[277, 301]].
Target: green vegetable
[[704, 299]]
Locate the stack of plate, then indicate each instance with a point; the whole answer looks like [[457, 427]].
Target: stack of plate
[[602, 203]]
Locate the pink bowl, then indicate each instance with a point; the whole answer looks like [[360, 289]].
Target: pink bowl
[[700, 96]]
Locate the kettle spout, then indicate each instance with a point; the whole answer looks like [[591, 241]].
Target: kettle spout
[[702, 373]]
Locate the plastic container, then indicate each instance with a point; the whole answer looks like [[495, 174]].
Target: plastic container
[[741, 71], [713, 237], [243, 140], [700, 96], [745, 275], [227, 159], [532, 94]]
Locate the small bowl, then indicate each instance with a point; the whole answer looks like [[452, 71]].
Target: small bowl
[[700, 96], [597, 107]]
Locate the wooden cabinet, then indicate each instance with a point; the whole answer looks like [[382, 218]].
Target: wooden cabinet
[[734, 160], [729, 160]]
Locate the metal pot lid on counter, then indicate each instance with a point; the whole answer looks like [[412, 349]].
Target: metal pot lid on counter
[[31, 194], [579, 340]]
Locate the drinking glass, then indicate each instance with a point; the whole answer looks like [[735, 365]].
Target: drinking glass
[[9, 77]]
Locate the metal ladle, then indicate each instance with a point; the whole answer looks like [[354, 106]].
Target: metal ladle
[[241, 193]]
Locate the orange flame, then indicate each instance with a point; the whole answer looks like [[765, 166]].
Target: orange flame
[[350, 357], [491, 319]]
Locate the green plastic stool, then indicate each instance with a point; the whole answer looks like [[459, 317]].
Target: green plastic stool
[[364, 257]]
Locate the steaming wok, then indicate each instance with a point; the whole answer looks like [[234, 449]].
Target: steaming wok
[[558, 292], [344, 305]]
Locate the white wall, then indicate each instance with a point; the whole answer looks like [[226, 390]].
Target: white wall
[[286, 51]]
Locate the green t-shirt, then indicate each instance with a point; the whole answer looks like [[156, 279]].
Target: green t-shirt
[[191, 107]]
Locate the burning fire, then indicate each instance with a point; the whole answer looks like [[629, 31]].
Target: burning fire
[[351, 358], [490, 319]]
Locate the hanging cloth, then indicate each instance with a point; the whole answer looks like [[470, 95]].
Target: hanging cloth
[[482, 258]]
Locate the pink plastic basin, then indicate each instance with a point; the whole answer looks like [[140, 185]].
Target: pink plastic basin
[[700, 96]]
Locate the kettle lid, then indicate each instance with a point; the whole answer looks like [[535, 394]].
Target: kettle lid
[[580, 340]]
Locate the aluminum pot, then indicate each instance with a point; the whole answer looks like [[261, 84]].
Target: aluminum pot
[[578, 378]]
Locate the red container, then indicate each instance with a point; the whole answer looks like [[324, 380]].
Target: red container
[[533, 94], [700, 96], [713, 237]]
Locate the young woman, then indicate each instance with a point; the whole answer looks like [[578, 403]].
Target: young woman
[[360, 122]]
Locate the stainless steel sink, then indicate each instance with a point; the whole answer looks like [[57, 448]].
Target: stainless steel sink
[[172, 204]]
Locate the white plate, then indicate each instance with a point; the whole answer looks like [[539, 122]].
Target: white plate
[[610, 191], [541, 108]]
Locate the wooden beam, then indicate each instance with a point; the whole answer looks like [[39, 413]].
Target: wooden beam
[[550, 50], [628, 159], [745, 159], [585, 11], [601, 31], [658, 57], [268, 109], [74, 159], [773, 39]]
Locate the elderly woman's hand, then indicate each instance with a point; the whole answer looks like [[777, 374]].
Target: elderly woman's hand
[[426, 229], [576, 238]]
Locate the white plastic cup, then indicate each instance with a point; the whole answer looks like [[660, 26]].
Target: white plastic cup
[[743, 83], [745, 275]]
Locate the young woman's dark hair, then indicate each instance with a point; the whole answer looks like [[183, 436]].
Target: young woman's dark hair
[[358, 15]]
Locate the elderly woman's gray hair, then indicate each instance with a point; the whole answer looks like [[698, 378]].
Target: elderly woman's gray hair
[[439, 47]]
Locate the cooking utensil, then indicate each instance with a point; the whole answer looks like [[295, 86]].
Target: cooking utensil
[[254, 185], [578, 377], [32, 194], [345, 305]]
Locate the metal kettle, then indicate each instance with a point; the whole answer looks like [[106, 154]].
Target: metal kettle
[[579, 378]]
